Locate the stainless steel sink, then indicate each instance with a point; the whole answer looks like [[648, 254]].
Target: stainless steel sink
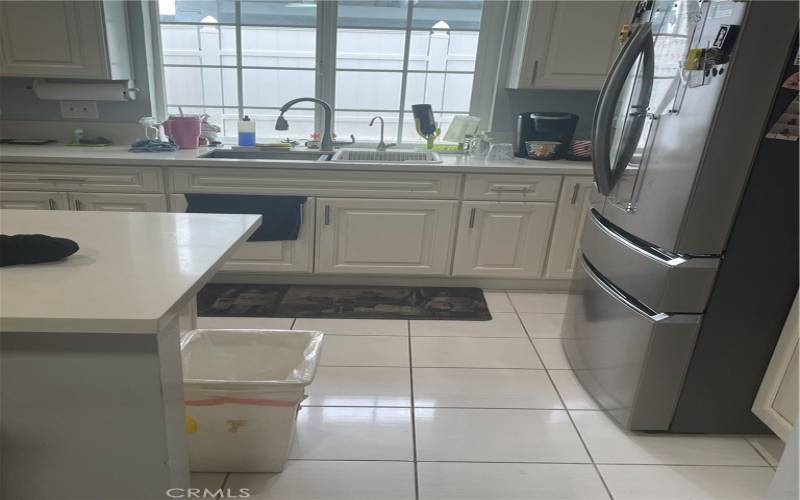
[[255, 154], [389, 156]]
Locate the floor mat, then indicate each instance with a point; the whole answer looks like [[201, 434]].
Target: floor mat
[[359, 302]]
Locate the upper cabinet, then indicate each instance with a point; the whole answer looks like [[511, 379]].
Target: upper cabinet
[[81, 39], [566, 45]]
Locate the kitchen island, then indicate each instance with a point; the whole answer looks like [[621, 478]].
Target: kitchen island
[[92, 398]]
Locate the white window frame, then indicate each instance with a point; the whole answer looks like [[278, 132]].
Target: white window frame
[[485, 74]]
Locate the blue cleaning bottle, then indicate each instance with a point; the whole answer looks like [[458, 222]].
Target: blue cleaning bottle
[[247, 132]]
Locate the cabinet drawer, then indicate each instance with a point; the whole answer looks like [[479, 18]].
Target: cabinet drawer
[[37, 177], [315, 183], [512, 187]]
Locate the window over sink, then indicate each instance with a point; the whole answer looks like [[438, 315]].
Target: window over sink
[[230, 58]]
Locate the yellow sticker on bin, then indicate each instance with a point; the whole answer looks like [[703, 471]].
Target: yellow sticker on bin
[[191, 425]]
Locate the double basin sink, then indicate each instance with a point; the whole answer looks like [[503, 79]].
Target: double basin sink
[[341, 156]]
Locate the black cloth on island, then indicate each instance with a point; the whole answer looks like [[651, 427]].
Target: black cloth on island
[[34, 249]]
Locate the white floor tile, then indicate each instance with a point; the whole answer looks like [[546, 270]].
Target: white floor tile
[[328, 433], [364, 350], [498, 301], [542, 325], [487, 388], [207, 480], [358, 386], [501, 325], [642, 482], [539, 302], [354, 326], [462, 481], [459, 352], [497, 436], [770, 447], [244, 323], [311, 480], [552, 354], [610, 444], [572, 392]]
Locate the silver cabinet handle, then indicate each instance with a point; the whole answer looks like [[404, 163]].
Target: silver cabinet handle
[[61, 179], [78, 205], [302, 212], [498, 189], [327, 215], [575, 191], [52, 203], [472, 217]]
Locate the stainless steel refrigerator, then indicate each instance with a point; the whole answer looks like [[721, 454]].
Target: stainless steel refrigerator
[[688, 259]]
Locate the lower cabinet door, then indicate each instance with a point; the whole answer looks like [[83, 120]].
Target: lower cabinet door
[[271, 256], [371, 236], [573, 206], [118, 202], [33, 200], [503, 240]]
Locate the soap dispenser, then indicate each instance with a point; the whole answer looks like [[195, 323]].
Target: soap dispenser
[[247, 132]]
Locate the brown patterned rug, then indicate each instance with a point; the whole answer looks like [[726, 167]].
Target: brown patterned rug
[[362, 302]]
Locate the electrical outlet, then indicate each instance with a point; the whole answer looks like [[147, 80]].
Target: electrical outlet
[[85, 110]]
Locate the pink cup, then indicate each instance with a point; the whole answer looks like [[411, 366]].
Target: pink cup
[[184, 131]]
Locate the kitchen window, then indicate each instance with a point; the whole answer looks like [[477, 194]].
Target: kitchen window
[[231, 58]]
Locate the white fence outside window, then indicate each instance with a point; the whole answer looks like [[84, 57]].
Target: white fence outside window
[[278, 64]]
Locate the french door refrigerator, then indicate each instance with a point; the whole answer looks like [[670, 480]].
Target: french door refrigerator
[[688, 260]]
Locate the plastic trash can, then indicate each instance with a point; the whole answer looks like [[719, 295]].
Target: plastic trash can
[[242, 390]]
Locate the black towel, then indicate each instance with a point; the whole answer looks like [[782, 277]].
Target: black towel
[[34, 249], [281, 215]]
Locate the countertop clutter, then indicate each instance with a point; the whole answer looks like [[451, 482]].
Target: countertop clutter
[[131, 269], [119, 155]]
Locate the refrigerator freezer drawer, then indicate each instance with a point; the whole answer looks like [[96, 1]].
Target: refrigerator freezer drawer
[[631, 359], [662, 281]]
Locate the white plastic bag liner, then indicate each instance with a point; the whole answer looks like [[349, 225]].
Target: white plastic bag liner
[[242, 390]]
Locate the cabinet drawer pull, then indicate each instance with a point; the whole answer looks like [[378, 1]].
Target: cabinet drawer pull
[[472, 217], [302, 211], [498, 189], [61, 179], [52, 203], [78, 205], [575, 191], [327, 215]]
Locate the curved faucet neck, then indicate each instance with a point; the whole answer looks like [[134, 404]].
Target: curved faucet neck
[[326, 140]]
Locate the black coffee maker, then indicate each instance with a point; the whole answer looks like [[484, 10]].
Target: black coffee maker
[[544, 126]]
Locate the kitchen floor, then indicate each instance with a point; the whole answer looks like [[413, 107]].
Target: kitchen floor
[[479, 410]]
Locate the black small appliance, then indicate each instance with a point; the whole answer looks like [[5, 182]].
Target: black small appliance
[[544, 126]]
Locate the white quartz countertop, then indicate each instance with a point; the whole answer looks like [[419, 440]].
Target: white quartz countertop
[[130, 273], [119, 155]]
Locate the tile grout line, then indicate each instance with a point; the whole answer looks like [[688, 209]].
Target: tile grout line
[[558, 393], [620, 464], [413, 415], [222, 486]]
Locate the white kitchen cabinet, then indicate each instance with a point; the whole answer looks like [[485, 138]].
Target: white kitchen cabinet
[[78, 39], [566, 45], [373, 236], [295, 256], [33, 200], [503, 239], [573, 206], [777, 398], [118, 202]]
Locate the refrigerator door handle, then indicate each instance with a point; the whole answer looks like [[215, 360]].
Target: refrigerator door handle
[[621, 297], [606, 173]]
